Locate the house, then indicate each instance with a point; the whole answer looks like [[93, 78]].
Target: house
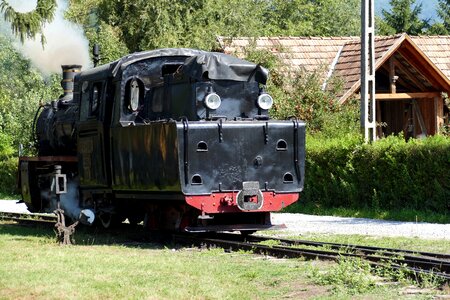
[[412, 74]]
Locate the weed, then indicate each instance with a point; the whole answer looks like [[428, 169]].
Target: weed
[[399, 273], [270, 243], [430, 280], [350, 275]]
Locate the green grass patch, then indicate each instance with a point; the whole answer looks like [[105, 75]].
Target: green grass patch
[[33, 266], [103, 266]]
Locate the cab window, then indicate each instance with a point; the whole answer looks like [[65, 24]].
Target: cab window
[[96, 94]]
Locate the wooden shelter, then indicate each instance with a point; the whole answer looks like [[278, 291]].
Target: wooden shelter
[[412, 74]]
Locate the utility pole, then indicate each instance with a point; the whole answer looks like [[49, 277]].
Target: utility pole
[[368, 124]]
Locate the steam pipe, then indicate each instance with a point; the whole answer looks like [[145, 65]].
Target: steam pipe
[[96, 54]]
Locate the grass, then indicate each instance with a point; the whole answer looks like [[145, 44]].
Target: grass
[[409, 215], [102, 266], [33, 266]]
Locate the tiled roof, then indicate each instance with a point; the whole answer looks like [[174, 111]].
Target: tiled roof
[[305, 52], [340, 55], [348, 66], [437, 48]]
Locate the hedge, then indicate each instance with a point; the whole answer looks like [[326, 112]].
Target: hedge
[[388, 174]]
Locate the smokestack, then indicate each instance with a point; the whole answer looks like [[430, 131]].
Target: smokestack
[[69, 72], [96, 54]]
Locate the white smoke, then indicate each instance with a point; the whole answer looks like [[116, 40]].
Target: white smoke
[[65, 41], [69, 202]]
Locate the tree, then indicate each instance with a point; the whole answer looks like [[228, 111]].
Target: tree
[[178, 23], [29, 24], [108, 37], [142, 25], [21, 89], [403, 17], [443, 11], [336, 17]]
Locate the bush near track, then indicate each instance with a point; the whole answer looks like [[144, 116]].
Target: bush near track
[[388, 174], [8, 167], [8, 176]]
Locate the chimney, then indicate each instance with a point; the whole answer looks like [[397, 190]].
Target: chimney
[[69, 72]]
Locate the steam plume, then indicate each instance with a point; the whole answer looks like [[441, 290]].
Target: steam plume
[[66, 43], [69, 202]]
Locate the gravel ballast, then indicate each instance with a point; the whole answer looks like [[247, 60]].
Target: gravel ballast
[[301, 224]]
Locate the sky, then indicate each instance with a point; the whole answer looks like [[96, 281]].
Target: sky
[[428, 8]]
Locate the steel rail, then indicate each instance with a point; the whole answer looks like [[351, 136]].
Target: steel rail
[[363, 249], [28, 217], [235, 242], [422, 260]]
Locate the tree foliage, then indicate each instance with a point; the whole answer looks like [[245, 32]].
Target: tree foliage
[[108, 37], [143, 25], [29, 24], [300, 94], [443, 11], [21, 89], [404, 16]]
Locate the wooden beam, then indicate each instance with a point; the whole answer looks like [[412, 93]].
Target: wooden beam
[[400, 80], [410, 76], [422, 66], [401, 96], [392, 77]]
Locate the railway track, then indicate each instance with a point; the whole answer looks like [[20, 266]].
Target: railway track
[[29, 218], [415, 263]]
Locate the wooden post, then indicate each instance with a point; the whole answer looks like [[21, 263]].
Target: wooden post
[[439, 112], [419, 116], [392, 77]]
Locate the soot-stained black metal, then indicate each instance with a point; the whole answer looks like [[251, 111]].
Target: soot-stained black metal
[[55, 127], [140, 128]]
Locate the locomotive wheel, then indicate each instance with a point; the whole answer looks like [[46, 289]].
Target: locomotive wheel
[[247, 232]]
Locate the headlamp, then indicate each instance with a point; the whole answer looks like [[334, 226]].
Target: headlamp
[[212, 101], [265, 101]]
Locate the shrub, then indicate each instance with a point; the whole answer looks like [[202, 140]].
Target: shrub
[[388, 174], [8, 176], [300, 93]]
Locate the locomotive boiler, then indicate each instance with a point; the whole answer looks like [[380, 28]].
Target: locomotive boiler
[[177, 138]]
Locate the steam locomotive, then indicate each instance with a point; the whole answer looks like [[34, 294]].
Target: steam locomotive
[[180, 139]]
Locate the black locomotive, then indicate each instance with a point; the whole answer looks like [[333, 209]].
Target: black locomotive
[[177, 138]]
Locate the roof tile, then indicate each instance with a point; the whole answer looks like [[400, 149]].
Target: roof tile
[[313, 52]]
